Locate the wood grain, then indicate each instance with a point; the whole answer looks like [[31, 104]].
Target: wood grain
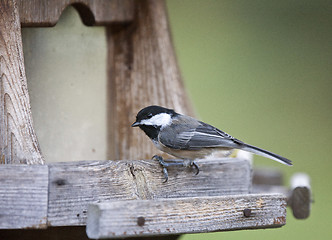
[[23, 196], [117, 219], [18, 141], [142, 71], [41, 13], [74, 185]]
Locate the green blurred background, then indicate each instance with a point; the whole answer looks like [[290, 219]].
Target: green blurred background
[[261, 71]]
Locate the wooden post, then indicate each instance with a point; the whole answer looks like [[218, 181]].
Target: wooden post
[[300, 195], [18, 141], [142, 71]]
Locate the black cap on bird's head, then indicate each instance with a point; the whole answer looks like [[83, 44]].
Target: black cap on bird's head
[[149, 112]]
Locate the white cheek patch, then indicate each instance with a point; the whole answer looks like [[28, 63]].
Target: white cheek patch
[[161, 119]]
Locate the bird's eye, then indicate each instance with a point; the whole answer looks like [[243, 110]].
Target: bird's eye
[[150, 115]]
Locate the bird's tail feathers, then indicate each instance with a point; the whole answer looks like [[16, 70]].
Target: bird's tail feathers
[[267, 154]]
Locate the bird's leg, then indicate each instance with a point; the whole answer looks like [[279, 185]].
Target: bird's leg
[[163, 164]]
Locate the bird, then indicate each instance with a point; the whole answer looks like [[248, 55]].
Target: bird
[[189, 139]]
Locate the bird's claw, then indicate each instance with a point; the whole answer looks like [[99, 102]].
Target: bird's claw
[[165, 174], [196, 166]]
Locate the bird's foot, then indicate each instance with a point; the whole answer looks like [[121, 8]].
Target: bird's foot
[[165, 165], [191, 163]]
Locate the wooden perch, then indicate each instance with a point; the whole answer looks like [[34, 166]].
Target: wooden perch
[[72, 186], [118, 219]]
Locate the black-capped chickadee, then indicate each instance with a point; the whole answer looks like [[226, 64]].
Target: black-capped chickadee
[[187, 138]]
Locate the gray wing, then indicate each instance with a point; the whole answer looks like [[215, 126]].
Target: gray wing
[[191, 134]]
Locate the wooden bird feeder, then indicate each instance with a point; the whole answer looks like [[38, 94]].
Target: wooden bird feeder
[[121, 198]]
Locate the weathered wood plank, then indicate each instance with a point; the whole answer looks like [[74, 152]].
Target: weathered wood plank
[[74, 185], [23, 196], [118, 219], [41, 13], [18, 141]]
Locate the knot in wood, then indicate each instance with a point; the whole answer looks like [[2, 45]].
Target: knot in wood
[[60, 182]]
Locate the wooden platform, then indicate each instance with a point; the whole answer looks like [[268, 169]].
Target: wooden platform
[[117, 199]]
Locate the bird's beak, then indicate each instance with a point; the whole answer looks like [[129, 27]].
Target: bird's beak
[[135, 124]]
